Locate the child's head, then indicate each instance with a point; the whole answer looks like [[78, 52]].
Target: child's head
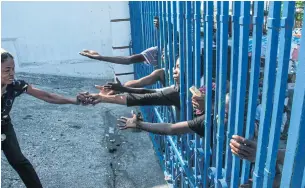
[[7, 67], [156, 22]]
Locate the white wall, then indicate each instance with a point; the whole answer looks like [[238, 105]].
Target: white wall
[[45, 37]]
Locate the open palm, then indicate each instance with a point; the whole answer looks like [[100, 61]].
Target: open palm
[[90, 53], [128, 122]]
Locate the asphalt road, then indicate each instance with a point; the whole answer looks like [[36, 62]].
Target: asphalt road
[[79, 147]]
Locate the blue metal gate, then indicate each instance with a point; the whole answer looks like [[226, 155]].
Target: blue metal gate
[[188, 29]]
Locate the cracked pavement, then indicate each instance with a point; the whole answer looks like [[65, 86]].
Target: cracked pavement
[[77, 146]]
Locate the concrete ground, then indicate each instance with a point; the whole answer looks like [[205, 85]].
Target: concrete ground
[[77, 146]]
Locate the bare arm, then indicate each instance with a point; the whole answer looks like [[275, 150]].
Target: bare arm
[[123, 60], [120, 88], [138, 58], [102, 98], [138, 90], [165, 128], [157, 75], [148, 80], [157, 128], [49, 97], [115, 99], [169, 96]]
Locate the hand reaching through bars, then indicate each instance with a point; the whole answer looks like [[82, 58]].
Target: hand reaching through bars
[[105, 91], [198, 102], [130, 122], [243, 148], [115, 86], [91, 54], [86, 98]]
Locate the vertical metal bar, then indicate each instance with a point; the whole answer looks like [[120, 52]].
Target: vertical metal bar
[[142, 22], [148, 24], [132, 21], [303, 183], [254, 79], [294, 165], [182, 60], [175, 53], [151, 24], [208, 82], [170, 59], [197, 17], [280, 90], [145, 25], [160, 44], [147, 21], [140, 32], [163, 140], [189, 75], [170, 42], [153, 17], [157, 29], [165, 43], [204, 167], [216, 81], [175, 30], [159, 39], [150, 35], [224, 19], [151, 27], [165, 60], [244, 22], [268, 90], [233, 85], [182, 76]]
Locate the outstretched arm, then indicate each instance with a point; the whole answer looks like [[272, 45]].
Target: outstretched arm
[[50, 97], [156, 128], [117, 86], [156, 75], [166, 98], [123, 60], [113, 86], [94, 99]]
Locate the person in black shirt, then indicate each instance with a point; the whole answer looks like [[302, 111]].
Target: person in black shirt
[[193, 126], [10, 89], [197, 125]]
